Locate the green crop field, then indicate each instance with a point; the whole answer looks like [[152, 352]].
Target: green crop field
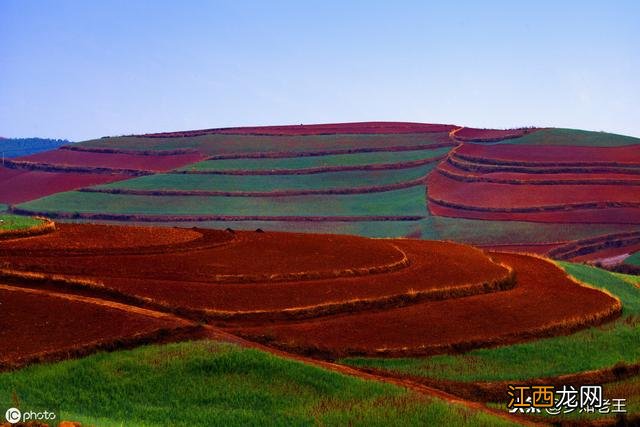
[[356, 159], [255, 183], [559, 136], [409, 201], [593, 348], [225, 144], [209, 383], [15, 222]]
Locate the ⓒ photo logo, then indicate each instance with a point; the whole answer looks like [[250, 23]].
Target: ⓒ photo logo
[[13, 415]]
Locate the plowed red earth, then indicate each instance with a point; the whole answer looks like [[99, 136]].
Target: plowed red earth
[[178, 279], [249, 253], [544, 300], [111, 160], [18, 185], [319, 129], [552, 154], [34, 324], [492, 195], [94, 236], [578, 216], [548, 178]]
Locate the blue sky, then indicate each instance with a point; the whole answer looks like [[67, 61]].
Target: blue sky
[[85, 69]]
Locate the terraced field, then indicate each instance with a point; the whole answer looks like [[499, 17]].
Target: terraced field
[[608, 355], [492, 317], [483, 186]]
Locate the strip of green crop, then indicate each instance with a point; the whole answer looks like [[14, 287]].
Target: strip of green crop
[[225, 144], [207, 383], [15, 222], [320, 181], [356, 159], [409, 201], [594, 348], [559, 136]]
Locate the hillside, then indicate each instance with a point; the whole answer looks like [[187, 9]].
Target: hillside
[[538, 190]]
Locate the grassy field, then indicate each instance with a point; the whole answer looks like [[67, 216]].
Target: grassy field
[[409, 201], [209, 383], [594, 348], [561, 136], [356, 159], [224, 144], [15, 222], [319, 181]]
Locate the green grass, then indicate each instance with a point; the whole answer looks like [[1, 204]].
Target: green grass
[[594, 348], [409, 201], [207, 383], [318, 181], [225, 144], [559, 136], [356, 159], [15, 222], [634, 259]]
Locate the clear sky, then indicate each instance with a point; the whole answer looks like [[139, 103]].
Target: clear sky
[[85, 69]]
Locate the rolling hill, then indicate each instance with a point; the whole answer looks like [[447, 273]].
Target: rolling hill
[[541, 190]]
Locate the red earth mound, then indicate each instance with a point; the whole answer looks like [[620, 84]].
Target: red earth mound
[[111, 160], [39, 325], [545, 301], [19, 185], [316, 129]]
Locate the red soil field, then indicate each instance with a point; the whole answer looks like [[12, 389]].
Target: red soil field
[[111, 160], [609, 215], [629, 154], [37, 325], [517, 178], [491, 195], [19, 185], [316, 129], [378, 297], [545, 301], [487, 135], [248, 257], [69, 237], [178, 280]]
